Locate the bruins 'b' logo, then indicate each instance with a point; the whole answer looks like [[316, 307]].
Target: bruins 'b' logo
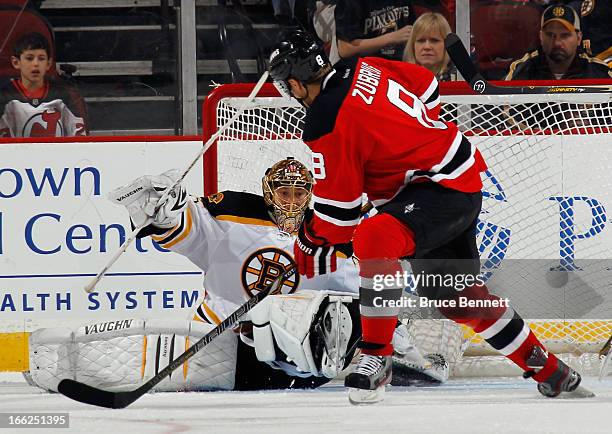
[[558, 12], [262, 267], [587, 7]]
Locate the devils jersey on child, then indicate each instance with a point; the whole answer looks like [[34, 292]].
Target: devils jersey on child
[[373, 129], [55, 110]]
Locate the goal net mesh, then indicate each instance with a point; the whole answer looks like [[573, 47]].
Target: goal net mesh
[[543, 233]]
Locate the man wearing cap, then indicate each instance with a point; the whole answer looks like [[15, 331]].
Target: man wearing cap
[[558, 57]]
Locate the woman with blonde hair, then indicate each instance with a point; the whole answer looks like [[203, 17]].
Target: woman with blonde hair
[[426, 46]]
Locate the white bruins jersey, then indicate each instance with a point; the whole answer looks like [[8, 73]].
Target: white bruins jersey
[[232, 238]]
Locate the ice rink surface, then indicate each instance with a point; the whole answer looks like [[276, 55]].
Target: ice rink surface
[[499, 406]]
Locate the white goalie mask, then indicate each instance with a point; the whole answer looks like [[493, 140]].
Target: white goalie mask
[[287, 190]]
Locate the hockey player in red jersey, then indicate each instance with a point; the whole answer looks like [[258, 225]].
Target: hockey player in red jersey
[[373, 127], [34, 105]]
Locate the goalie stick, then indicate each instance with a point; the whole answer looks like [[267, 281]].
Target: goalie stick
[[460, 57], [91, 285], [103, 398]]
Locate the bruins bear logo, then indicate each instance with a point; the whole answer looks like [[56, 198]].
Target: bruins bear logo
[[587, 7], [264, 266]]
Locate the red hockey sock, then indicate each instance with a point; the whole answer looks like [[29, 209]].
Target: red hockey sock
[[377, 334], [503, 328], [523, 352], [378, 243]]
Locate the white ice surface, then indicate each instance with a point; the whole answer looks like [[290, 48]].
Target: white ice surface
[[497, 406]]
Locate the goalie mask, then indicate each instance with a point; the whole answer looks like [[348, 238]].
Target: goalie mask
[[287, 189]]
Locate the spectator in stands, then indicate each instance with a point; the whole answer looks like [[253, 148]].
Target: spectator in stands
[[34, 105], [324, 25], [373, 27], [426, 46], [596, 17], [558, 56], [290, 14]]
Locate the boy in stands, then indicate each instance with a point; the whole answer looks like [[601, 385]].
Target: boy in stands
[[34, 105]]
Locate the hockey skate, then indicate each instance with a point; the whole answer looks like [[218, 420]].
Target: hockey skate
[[563, 379], [410, 367], [367, 383]]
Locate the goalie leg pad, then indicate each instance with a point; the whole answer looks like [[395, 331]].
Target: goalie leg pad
[[121, 355], [262, 331], [410, 367]]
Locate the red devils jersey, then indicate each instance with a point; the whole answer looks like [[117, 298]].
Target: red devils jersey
[[56, 111], [375, 128]]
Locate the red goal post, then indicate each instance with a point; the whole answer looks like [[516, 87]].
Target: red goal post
[[547, 194]]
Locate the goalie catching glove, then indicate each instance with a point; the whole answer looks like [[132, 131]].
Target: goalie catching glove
[[142, 197]]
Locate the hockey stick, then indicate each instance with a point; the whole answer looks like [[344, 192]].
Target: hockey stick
[[460, 57], [606, 354], [91, 285], [102, 398]]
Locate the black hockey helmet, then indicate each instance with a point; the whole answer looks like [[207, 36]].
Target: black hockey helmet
[[298, 55]]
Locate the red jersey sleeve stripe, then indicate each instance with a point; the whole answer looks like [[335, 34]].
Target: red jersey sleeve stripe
[[450, 154], [339, 213], [453, 173], [459, 158], [431, 96], [435, 103], [334, 234], [341, 219], [338, 203], [461, 169]]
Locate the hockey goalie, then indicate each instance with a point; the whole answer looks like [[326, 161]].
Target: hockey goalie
[[301, 337]]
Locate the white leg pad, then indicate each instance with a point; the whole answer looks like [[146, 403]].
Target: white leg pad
[[121, 355]]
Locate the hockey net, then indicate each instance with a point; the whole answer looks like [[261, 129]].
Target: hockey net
[[544, 207]]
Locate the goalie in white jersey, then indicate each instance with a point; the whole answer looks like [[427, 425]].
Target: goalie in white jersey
[[300, 338]]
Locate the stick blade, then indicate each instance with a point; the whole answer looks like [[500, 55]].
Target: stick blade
[[90, 395]]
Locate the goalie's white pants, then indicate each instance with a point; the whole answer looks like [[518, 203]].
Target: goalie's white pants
[[121, 355]]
